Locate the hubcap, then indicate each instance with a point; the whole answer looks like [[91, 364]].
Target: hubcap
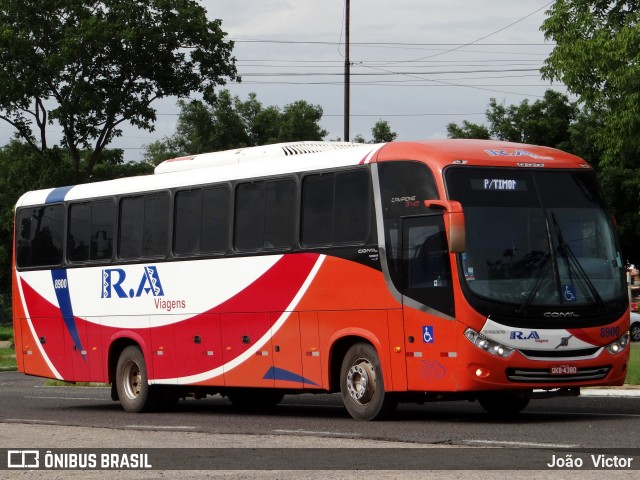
[[361, 381], [132, 380]]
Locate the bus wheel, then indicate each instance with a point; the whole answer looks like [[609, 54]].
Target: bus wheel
[[503, 404], [362, 385], [634, 331], [131, 380]]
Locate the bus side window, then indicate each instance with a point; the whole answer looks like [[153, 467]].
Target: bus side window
[[265, 215], [90, 236], [144, 226], [40, 239], [336, 208], [427, 269]]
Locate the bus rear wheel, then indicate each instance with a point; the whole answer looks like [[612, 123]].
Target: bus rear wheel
[[132, 381], [362, 385]]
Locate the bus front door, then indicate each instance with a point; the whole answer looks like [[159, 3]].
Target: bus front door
[[428, 307]]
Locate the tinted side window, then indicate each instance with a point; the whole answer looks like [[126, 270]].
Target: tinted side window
[[103, 221], [427, 271], [404, 186], [90, 231], [336, 208], [352, 207], [265, 215], [39, 233], [131, 218], [188, 214], [155, 240], [317, 209], [202, 221], [280, 212], [144, 225], [215, 219], [249, 231]]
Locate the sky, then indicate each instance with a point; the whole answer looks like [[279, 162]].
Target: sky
[[418, 64]]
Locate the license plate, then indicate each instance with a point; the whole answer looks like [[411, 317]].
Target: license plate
[[564, 370]]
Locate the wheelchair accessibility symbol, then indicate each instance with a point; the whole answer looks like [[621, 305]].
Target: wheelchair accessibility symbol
[[569, 293], [427, 334]]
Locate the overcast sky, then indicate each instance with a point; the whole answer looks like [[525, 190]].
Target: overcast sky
[[418, 64]]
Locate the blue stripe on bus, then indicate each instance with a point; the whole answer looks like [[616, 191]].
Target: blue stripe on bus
[[275, 373], [58, 194], [61, 287]]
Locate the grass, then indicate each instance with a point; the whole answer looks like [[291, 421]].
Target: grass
[[633, 374], [7, 355], [6, 332]]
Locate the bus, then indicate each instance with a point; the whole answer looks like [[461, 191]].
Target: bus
[[387, 273]]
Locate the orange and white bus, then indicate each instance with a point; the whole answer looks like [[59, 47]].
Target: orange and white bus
[[400, 272]]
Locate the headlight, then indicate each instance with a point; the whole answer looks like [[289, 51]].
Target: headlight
[[483, 343], [618, 345]]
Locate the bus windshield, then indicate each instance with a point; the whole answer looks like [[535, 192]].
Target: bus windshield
[[540, 238]]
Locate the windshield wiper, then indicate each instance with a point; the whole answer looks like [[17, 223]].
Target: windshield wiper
[[542, 270], [569, 258]]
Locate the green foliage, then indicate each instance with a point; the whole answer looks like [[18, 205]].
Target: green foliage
[[544, 122], [633, 372], [468, 130], [381, 132], [228, 122], [92, 66], [596, 56]]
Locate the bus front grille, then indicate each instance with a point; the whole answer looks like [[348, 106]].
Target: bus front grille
[[544, 375]]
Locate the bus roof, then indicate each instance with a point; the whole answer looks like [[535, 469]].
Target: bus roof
[[254, 162]]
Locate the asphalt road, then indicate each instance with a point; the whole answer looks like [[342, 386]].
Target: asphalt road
[[33, 415], [577, 422]]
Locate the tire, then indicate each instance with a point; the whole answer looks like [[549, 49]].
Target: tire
[[132, 381], [634, 332], [362, 384], [255, 400], [503, 404]]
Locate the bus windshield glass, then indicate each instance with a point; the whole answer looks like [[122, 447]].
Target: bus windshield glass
[[539, 238]]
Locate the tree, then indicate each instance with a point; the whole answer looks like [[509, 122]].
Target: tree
[[596, 56], [301, 121], [228, 122], [468, 130], [544, 122], [94, 66], [381, 132]]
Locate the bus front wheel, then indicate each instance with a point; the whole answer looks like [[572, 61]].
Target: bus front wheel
[[131, 380], [362, 385]]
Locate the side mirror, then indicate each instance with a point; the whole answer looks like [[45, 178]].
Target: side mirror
[[454, 222]]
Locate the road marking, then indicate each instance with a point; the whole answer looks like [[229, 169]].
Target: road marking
[[28, 420], [586, 414], [161, 427], [312, 432], [520, 444], [70, 398]]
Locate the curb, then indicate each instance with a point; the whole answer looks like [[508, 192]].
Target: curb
[[610, 392]]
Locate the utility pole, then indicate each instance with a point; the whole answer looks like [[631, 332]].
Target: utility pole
[[347, 73]]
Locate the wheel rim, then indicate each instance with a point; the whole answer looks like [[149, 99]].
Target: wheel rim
[[635, 332], [132, 379], [361, 381]]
